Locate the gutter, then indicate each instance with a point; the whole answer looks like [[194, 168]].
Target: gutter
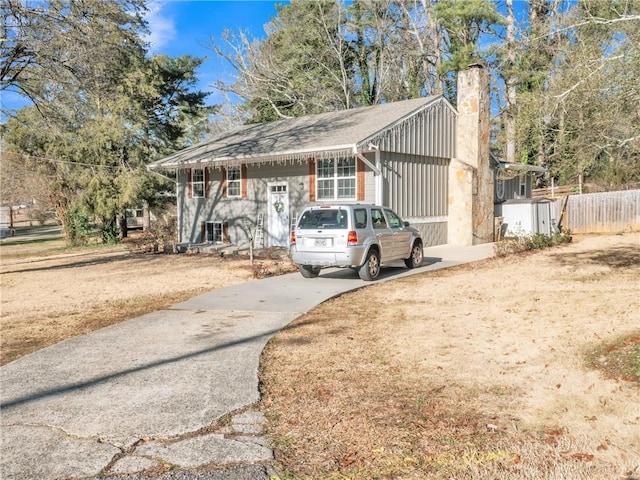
[[377, 170], [292, 155], [151, 170], [522, 167]]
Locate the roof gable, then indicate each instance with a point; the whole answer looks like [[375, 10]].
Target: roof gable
[[328, 134]]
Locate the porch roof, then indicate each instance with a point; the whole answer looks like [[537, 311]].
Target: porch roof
[[332, 135]]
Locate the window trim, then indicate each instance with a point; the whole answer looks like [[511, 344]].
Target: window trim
[[236, 182], [242, 181], [335, 178], [522, 185], [193, 182], [222, 227]]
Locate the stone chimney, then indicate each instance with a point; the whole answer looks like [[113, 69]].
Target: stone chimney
[[470, 175]]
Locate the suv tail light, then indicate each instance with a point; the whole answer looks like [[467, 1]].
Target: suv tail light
[[292, 238], [352, 238]]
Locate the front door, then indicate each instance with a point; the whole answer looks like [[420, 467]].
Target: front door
[[278, 217]]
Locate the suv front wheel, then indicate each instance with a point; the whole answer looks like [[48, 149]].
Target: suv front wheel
[[417, 256], [371, 266]]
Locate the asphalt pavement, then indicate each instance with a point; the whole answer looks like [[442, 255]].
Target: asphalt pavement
[[176, 388]]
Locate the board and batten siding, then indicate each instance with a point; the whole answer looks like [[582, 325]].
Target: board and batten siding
[[417, 188], [431, 133], [415, 159]]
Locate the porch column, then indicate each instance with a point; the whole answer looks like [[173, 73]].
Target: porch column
[[470, 175]]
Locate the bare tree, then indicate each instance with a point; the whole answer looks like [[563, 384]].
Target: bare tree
[[510, 87]]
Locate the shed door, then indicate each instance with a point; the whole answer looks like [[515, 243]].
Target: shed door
[[278, 216], [543, 218]]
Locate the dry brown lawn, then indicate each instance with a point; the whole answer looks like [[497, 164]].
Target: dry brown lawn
[[50, 295], [473, 372], [479, 371]]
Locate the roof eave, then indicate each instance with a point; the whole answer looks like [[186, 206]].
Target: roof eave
[[301, 155]]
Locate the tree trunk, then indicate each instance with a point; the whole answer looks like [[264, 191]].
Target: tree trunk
[[146, 216], [510, 85], [124, 229]]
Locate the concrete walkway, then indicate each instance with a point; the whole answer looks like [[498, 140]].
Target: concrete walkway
[[177, 387]]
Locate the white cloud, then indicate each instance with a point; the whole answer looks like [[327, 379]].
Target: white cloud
[[162, 28]]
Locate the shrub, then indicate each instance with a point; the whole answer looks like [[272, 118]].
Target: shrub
[[539, 241], [510, 245]]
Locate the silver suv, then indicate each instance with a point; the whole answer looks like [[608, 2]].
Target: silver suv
[[362, 237]]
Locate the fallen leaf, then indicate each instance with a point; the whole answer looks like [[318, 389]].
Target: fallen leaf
[[583, 457]]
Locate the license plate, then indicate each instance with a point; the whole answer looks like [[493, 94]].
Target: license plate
[[322, 242]]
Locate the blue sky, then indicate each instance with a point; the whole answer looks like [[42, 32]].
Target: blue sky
[[181, 27]]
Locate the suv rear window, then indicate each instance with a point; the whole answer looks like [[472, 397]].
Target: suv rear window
[[327, 218]]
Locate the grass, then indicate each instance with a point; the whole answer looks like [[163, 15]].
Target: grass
[[44, 241], [47, 330], [343, 403], [379, 420], [618, 359], [342, 406]]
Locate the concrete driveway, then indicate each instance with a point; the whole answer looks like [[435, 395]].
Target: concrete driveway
[[176, 387]]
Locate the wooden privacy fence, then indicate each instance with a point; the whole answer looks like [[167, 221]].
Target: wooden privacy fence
[[604, 212]]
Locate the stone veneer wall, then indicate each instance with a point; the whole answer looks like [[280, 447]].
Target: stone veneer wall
[[470, 175]]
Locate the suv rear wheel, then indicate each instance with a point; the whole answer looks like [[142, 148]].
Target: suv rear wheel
[[371, 266], [307, 271], [417, 256]]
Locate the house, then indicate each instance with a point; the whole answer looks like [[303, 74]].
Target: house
[[516, 212], [421, 157], [514, 181]]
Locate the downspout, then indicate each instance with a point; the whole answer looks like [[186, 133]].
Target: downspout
[[377, 171], [179, 207], [378, 177]]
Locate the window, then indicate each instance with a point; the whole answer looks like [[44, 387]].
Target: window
[[197, 182], [522, 181], [234, 182], [336, 179], [360, 215], [377, 218], [215, 232], [278, 188], [394, 220], [325, 219]]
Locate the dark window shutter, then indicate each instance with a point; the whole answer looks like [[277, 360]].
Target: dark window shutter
[[360, 180], [243, 176], [206, 182], [224, 182], [189, 180], [225, 232], [312, 180], [203, 232]]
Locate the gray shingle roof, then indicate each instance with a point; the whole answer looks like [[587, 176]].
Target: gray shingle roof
[[327, 134]]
